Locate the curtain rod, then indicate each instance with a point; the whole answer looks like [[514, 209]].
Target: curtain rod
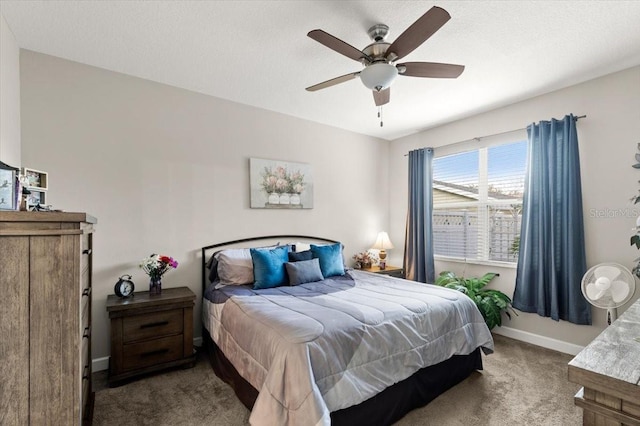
[[478, 138]]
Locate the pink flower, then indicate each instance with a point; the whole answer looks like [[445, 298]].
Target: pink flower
[[156, 265], [281, 183]]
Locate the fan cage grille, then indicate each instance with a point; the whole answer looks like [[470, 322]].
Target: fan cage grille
[[606, 301]]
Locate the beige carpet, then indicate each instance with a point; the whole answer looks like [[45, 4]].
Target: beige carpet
[[521, 384]]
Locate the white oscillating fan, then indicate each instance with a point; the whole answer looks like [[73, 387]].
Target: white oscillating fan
[[608, 286]]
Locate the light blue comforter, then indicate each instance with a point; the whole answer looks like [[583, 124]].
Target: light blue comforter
[[320, 347]]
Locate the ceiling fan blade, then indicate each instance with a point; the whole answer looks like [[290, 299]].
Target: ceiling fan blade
[[338, 45], [333, 82], [382, 97], [418, 33], [430, 69]]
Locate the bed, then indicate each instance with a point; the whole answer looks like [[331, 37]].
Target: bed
[[347, 348]]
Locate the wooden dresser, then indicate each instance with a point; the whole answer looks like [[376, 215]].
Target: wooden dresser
[[45, 348], [150, 332], [609, 370]]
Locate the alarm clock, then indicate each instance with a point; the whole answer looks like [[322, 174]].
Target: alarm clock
[[124, 287]]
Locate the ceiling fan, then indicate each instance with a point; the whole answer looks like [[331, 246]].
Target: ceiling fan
[[378, 58]]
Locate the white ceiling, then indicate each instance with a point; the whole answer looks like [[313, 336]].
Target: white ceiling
[[257, 52]]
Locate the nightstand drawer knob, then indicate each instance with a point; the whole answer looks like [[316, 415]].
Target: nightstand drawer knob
[[87, 333], [86, 251], [85, 373], [86, 292], [154, 324], [156, 352]]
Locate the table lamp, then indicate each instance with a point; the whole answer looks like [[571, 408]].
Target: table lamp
[[382, 243]]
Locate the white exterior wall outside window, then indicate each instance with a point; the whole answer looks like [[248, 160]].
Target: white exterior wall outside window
[[478, 202]]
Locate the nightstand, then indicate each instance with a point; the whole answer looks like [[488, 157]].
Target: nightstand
[[150, 332], [393, 271]]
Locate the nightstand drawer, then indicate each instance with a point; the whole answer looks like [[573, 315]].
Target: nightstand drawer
[[397, 273], [156, 324], [392, 271], [151, 352]]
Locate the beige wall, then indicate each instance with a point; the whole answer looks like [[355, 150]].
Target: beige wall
[[9, 96], [166, 170], [608, 139]]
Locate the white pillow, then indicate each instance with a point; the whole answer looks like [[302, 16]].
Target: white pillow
[[301, 246], [235, 266]]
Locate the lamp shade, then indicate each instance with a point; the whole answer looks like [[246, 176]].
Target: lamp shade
[[378, 76], [382, 242]]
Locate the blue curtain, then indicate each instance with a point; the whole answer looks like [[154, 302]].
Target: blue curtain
[[552, 261], [418, 244]]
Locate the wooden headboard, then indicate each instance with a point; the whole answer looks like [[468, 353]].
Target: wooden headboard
[[291, 238]]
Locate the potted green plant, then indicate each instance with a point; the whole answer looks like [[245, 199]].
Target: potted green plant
[[491, 303]]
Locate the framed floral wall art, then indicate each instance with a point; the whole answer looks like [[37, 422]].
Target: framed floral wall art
[[277, 184]]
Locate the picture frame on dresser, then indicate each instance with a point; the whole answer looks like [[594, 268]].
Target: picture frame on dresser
[[35, 179], [34, 198], [7, 187]]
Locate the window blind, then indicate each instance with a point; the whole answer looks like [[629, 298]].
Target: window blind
[[477, 201]]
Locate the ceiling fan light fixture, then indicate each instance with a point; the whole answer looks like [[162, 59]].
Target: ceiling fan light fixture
[[378, 76]]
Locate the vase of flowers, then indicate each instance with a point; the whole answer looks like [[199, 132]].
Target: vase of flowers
[[282, 186], [365, 260], [274, 198], [284, 198], [155, 266]]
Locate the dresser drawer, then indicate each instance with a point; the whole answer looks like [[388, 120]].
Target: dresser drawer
[[84, 310], [85, 362], [156, 324], [84, 354], [151, 352], [85, 396], [85, 282], [86, 251]]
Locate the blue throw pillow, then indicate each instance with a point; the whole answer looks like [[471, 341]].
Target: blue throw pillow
[[301, 255], [268, 267], [303, 271], [330, 257]]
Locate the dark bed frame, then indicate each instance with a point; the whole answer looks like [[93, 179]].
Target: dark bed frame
[[383, 409]]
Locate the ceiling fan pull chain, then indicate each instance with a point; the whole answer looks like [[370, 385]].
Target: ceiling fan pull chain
[[380, 115]]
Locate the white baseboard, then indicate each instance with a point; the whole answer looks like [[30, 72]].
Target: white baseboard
[[100, 364], [536, 339]]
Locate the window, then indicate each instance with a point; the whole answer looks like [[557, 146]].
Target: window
[[477, 202]]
